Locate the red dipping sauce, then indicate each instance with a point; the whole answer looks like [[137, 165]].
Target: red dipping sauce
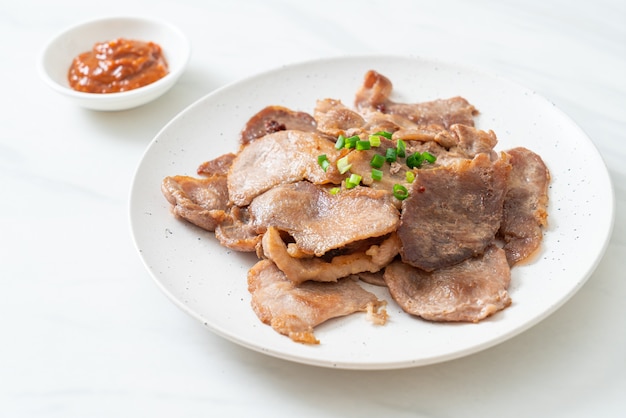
[[116, 66]]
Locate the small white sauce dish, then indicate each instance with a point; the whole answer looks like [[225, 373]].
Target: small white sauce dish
[[57, 56]]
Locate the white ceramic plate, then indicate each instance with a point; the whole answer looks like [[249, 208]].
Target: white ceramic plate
[[209, 282]]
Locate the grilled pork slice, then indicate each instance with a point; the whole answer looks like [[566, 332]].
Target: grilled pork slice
[[525, 205], [236, 231], [453, 212], [467, 292], [278, 158], [374, 95], [273, 119], [472, 141], [427, 133], [371, 259], [319, 221], [294, 310], [216, 167], [201, 201], [334, 118]]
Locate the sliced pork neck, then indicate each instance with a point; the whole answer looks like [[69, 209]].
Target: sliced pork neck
[[525, 205], [279, 158], [273, 119], [294, 310], [201, 201], [319, 221], [468, 292], [376, 89], [334, 118], [216, 167], [453, 212], [371, 259], [235, 231], [471, 141]]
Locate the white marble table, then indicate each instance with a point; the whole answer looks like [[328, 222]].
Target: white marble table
[[84, 331]]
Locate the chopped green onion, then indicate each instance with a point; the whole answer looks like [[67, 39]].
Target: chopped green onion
[[334, 190], [341, 142], [355, 178], [375, 140], [391, 155], [363, 145], [351, 141], [322, 160], [353, 181], [400, 192], [377, 174], [429, 157], [410, 177], [414, 160], [377, 161], [343, 165], [384, 133], [401, 148]]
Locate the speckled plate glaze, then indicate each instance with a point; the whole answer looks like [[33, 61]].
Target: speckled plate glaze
[[209, 281]]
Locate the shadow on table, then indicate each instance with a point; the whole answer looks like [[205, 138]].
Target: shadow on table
[[133, 124]]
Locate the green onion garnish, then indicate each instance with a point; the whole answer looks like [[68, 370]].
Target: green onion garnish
[[353, 181], [391, 155], [377, 161], [351, 141], [429, 157], [377, 174], [384, 133], [414, 160], [343, 165], [410, 177], [322, 160], [401, 148], [334, 190], [374, 140], [355, 178], [341, 142], [400, 192], [363, 145]]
